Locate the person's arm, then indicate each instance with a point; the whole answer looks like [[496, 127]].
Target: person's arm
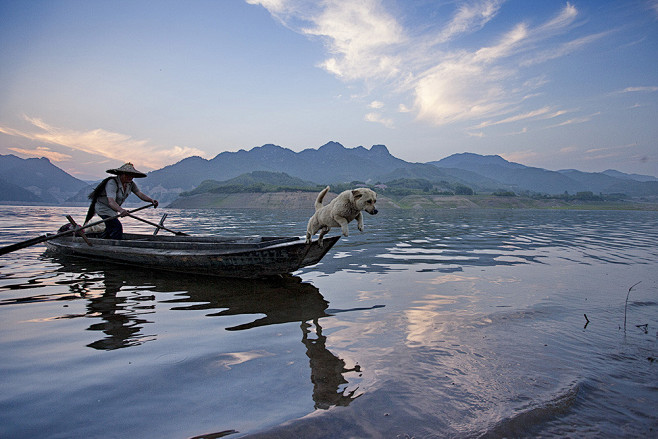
[[116, 207]]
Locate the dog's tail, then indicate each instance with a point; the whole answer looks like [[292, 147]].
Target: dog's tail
[[318, 201]]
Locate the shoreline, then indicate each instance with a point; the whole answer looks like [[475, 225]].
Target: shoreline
[[303, 200], [306, 200]]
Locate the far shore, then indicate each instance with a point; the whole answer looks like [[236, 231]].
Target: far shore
[[306, 200], [302, 200]]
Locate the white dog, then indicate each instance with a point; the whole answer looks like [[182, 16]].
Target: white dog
[[346, 207]]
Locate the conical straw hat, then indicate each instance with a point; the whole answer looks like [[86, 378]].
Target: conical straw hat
[[129, 169]]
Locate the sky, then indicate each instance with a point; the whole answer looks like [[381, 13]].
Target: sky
[[92, 84]]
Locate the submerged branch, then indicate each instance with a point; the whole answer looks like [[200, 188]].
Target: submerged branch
[[626, 305]]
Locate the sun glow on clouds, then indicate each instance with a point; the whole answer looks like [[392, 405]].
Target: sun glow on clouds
[[42, 151], [116, 146], [368, 43]]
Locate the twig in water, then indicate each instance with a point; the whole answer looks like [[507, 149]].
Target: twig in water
[[644, 327], [586, 321], [626, 306]]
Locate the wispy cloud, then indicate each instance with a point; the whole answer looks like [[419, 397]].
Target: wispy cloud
[[378, 118], [368, 43], [527, 156], [530, 156], [653, 6], [562, 49], [362, 37], [611, 148], [42, 151], [469, 18], [575, 120], [541, 113], [403, 108], [100, 142], [649, 89]]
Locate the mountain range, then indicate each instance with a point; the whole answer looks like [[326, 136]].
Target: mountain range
[[23, 179], [35, 181]]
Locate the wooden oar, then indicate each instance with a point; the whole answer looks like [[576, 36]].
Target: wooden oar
[[39, 239], [159, 226]]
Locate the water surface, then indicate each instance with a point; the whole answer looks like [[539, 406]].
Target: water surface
[[441, 323]]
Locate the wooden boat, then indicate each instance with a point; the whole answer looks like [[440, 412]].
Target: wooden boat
[[243, 257]]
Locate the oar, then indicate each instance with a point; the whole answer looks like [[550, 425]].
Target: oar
[[39, 239], [159, 226]]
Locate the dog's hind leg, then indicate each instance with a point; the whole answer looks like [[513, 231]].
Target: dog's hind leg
[[323, 231], [311, 228]]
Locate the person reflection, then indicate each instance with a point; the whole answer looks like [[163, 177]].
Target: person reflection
[[326, 371], [119, 315]]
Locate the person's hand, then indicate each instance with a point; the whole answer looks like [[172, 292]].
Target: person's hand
[[155, 203], [123, 212]]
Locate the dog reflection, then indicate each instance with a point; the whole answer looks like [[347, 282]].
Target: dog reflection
[[326, 371]]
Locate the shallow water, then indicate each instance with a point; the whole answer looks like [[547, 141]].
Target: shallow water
[[441, 323]]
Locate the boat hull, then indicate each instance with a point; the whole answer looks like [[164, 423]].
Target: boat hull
[[250, 257]]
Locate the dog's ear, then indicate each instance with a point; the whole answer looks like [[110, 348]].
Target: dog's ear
[[356, 194]]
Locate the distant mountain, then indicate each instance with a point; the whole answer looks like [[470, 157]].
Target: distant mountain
[[512, 175], [448, 175], [331, 164], [594, 181], [12, 192], [38, 176], [519, 178], [476, 163], [257, 180], [623, 176], [328, 164]]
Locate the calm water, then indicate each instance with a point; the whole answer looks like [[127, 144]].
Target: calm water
[[429, 324]]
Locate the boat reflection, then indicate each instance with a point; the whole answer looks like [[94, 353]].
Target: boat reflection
[[285, 299]]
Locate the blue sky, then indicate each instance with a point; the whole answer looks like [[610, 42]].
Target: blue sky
[[554, 84]]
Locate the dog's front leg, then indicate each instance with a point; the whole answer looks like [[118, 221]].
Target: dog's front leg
[[359, 221], [343, 225]]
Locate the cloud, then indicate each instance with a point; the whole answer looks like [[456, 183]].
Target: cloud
[[104, 143], [527, 156], [378, 118], [362, 37], [560, 21], [469, 18], [530, 156], [638, 89], [562, 50], [365, 42], [41, 151], [404, 109], [653, 6], [376, 104], [575, 120], [539, 114], [611, 148]]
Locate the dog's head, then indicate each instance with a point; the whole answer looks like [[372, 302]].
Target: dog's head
[[365, 199]]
